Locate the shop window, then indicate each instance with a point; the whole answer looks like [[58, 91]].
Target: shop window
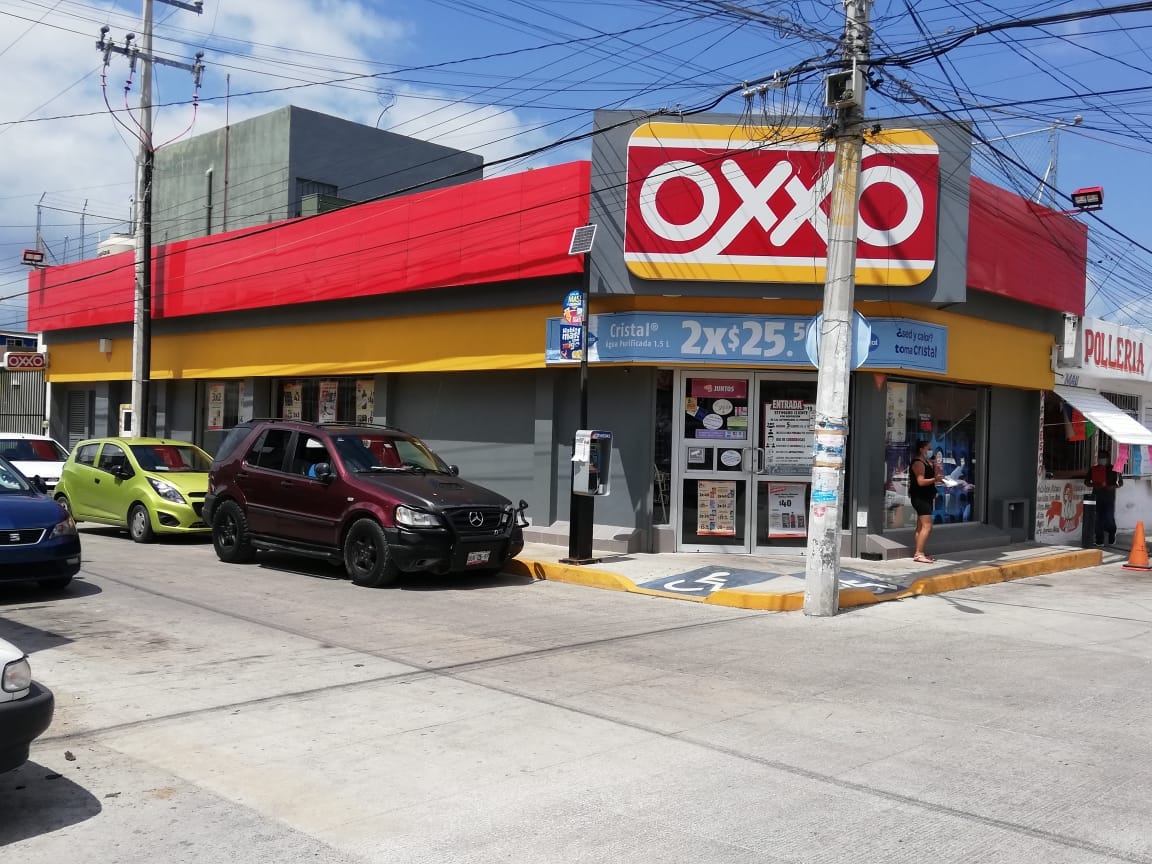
[[320, 400], [948, 417], [662, 448]]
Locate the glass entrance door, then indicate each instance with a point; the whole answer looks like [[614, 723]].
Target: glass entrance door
[[782, 466], [742, 460]]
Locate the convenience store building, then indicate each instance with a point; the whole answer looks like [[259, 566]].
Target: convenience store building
[[440, 312]]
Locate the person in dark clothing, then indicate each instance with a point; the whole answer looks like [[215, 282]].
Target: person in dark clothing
[[922, 482], [1104, 480]]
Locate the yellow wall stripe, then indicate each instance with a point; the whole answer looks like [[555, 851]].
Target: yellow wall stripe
[[979, 352]]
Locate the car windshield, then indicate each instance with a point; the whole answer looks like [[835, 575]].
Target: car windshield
[[170, 458], [12, 481], [363, 450], [32, 450]]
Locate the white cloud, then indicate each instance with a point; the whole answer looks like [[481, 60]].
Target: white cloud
[[54, 70]]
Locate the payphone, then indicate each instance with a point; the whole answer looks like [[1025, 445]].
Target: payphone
[[592, 462]]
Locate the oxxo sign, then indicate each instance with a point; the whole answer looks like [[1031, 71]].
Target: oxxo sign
[[709, 202], [22, 361], [1115, 351]]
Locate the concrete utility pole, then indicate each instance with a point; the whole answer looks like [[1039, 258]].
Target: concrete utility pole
[[145, 162], [846, 95]]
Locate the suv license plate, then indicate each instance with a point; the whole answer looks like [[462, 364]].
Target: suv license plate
[[477, 558]]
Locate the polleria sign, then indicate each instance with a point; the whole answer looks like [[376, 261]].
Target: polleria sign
[[721, 203]]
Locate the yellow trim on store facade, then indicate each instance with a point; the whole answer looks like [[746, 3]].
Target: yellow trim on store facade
[[979, 352]]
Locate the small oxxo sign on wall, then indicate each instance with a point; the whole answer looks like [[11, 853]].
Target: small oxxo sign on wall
[[24, 361]]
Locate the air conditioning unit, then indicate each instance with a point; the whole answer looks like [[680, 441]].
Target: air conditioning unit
[[1070, 346]]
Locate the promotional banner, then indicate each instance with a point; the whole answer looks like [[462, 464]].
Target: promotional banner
[[329, 391], [293, 401], [896, 414], [1059, 510], [787, 510], [365, 400], [215, 419], [747, 340], [716, 508]]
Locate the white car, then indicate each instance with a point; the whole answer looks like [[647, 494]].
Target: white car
[[26, 707], [34, 456]]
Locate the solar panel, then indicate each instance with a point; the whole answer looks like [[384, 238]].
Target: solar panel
[[582, 239]]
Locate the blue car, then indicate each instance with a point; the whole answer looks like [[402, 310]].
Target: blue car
[[38, 538]]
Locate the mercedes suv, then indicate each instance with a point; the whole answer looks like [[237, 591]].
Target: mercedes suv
[[372, 498]]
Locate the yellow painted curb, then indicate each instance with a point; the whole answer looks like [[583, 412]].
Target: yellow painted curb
[[988, 574], [570, 573], [763, 601]]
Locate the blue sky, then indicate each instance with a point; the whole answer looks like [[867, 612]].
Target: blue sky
[[502, 77]]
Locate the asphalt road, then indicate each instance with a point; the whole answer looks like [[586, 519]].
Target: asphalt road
[[275, 712]]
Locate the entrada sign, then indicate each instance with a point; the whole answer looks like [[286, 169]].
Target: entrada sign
[[24, 360], [729, 203]]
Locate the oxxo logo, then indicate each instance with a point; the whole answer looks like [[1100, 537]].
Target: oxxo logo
[[714, 203], [24, 360]]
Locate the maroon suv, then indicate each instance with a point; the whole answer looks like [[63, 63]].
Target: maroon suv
[[371, 497]]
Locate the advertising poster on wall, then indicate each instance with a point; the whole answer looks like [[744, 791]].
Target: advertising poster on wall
[[328, 392], [716, 508], [365, 400], [896, 416], [215, 407], [242, 414], [788, 436], [787, 513], [1059, 509], [293, 401]]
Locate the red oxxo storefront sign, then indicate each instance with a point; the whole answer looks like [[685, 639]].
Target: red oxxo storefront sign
[[708, 202], [1115, 351]]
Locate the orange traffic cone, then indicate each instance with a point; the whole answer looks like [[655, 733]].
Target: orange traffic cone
[[1138, 557]]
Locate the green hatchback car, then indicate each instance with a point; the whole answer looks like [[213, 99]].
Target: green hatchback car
[[148, 485]]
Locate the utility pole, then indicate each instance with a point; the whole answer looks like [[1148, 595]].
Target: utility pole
[[845, 93], [145, 163]]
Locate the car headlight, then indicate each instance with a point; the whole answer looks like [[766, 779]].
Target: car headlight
[[410, 518], [17, 676], [63, 529], [167, 491], [506, 516]]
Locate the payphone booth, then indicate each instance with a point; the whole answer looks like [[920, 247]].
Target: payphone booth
[[592, 462], [591, 468]]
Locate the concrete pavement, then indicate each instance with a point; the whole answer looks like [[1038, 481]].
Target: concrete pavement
[[776, 584], [274, 712]]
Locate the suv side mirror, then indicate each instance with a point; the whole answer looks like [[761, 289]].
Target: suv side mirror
[[39, 485], [322, 471], [454, 470]]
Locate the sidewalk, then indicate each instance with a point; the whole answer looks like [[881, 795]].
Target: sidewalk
[[776, 584]]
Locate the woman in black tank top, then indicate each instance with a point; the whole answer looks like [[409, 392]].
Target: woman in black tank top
[[922, 494]]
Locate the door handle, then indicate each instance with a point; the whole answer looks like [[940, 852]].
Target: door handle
[[95, 479], [242, 475], [286, 483], [759, 456]]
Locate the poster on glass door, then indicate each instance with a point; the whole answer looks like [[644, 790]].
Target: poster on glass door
[[788, 436], [786, 510], [716, 508]]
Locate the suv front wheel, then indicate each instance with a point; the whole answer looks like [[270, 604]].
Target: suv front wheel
[[367, 557], [230, 534]]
